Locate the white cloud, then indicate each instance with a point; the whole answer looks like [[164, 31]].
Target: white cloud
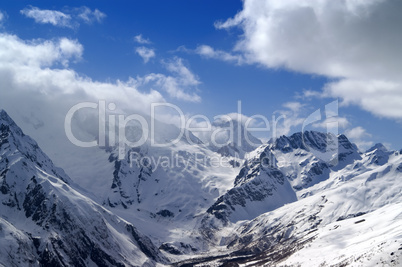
[[296, 117], [285, 121], [293, 106], [44, 16], [139, 39], [333, 123], [69, 49], [357, 135], [37, 90], [380, 97], [145, 53], [357, 42], [89, 16], [179, 85], [186, 76], [3, 17], [30, 66], [37, 53], [363, 145], [68, 19], [308, 94], [209, 52]]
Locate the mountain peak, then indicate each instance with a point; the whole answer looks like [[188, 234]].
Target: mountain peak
[[15, 144], [5, 118], [304, 140], [8, 128], [378, 146]]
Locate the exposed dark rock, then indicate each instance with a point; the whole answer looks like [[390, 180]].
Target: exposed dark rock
[[165, 213]]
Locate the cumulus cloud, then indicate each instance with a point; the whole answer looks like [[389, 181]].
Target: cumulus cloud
[[145, 53], [381, 97], [31, 66], [141, 40], [37, 86], [54, 17], [36, 53], [356, 42], [40, 66]]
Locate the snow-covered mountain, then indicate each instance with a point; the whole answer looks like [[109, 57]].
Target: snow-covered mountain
[[264, 183], [309, 199], [357, 206], [259, 187], [45, 221], [308, 158]]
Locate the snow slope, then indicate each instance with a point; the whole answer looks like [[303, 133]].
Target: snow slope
[[373, 239]]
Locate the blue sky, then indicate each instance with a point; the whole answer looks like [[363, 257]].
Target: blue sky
[[276, 58]]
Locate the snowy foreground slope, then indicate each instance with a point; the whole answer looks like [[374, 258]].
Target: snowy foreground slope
[[310, 199]]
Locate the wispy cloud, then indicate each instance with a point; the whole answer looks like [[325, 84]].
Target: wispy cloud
[[145, 53], [309, 94], [181, 84], [43, 16], [287, 119], [293, 106], [333, 123], [295, 116], [209, 52], [89, 16], [141, 40], [3, 17], [68, 19]]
